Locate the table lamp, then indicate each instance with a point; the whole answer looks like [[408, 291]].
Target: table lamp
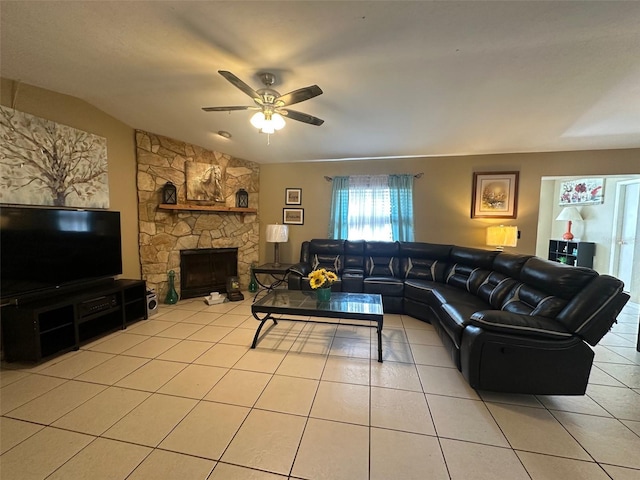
[[277, 234], [501, 236], [570, 214]]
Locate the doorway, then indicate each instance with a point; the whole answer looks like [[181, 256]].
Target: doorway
[[613, 226], [624, 254]]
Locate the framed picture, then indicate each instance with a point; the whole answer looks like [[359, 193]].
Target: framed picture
[[293, 196], [586, 191], [495, 195], [204, 182], [293, 216]]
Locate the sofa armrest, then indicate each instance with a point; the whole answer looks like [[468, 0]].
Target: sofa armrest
[[301, 269], [519, 324], [296, 273]]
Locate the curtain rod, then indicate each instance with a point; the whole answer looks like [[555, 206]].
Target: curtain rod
[[417, 175]]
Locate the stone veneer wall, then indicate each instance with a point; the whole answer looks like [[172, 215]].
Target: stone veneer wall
[[163, 233]]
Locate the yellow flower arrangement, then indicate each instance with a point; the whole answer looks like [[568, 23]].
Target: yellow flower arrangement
[[322, 278]]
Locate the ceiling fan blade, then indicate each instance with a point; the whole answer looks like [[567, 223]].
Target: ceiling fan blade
[[225, 109], [301, 117], [240, 84], [299, 95]]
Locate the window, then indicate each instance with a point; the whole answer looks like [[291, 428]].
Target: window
[[378, 207]]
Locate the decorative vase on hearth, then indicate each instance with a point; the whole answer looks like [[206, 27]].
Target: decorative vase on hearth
[[172, 295], [253, 283]]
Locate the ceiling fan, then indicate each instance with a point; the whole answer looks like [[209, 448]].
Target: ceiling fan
[[270, 105]]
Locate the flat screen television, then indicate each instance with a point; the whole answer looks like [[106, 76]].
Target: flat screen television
[[47, 249]]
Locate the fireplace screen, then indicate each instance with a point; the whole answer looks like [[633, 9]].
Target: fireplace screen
[[205, 270]]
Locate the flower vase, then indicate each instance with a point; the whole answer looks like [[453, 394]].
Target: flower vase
[[323, 294], [172, 295]]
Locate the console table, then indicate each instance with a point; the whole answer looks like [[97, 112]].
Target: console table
[[60, 323]]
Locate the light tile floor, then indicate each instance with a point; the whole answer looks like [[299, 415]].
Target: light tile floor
[[181, 396]]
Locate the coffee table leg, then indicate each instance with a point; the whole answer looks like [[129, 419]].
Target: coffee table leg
[[255, 338], [380, 342]]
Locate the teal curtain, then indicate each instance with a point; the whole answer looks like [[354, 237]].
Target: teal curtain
[[401, 190], [339, 221]]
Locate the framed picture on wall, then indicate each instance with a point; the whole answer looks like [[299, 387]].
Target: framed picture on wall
[[495, 195], [585, 191], [293, 196], [293, 216]]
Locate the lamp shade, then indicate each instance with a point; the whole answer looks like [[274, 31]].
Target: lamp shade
[[570, 213], [277, 233], [502, 236]]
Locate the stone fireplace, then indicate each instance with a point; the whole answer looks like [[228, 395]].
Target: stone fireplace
[[164, 233], [205, 270]]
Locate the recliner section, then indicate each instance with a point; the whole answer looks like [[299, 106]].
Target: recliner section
[[511, 323]]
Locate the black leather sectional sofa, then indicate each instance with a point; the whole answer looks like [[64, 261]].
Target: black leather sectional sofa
[[512, 323]]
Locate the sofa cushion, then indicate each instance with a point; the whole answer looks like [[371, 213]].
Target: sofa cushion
[[424, 261], [382, 267], [495, 289], [448, 294], [326, 254], [352, 281], [419, 290], [455, 317], [510, 264], [328, 262], [526, 300], [354, 255], [391, 286], [466, 277], [517, 324], [474, 257], [422, 268], [425, 291], [555, 278], [381, 259], [382, 249]]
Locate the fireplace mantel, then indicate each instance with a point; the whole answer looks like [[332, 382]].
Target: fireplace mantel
[[207, 208]]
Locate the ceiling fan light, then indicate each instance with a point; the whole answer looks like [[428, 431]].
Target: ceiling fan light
[[267, 127], [277, 121], [258, 120]]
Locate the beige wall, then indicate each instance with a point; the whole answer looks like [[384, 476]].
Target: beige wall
[[120, 152], [442, 198]]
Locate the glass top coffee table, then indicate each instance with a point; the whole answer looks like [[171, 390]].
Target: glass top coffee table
[[363, 307]]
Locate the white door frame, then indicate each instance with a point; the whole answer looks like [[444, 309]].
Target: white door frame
[[617, 228]]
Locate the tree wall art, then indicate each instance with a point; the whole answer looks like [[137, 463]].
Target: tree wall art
[[46, 163]]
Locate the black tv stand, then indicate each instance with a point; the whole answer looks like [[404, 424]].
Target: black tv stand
[[53, 324]]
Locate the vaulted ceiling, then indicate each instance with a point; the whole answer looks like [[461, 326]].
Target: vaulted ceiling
[[400, 78]]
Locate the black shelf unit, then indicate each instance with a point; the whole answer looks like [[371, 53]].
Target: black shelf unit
[[578, 254], [56, 324]]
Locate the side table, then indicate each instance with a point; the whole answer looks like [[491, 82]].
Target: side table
[[277, 273]]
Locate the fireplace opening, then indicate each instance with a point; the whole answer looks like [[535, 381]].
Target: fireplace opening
[[205, 270]]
